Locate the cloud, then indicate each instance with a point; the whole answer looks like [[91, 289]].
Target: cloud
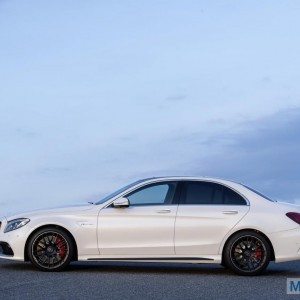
[[263, 153], [175, 98], [22, 132], [266, 79], [53, 170]]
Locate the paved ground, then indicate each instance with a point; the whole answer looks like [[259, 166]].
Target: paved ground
[[143, 281]]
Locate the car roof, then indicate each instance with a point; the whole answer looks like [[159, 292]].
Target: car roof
[[206, 178]]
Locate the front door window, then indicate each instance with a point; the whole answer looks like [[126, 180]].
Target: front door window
[[155, 194]]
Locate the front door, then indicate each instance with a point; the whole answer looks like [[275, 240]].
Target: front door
[[144, 228]]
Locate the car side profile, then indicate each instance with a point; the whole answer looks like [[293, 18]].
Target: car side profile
[[167, 219]]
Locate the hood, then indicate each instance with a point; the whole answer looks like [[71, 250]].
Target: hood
[[58, 210]]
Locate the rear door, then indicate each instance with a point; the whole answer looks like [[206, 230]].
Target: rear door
[[206, 213]]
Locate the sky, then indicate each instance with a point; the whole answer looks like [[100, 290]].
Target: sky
[[97, 94]]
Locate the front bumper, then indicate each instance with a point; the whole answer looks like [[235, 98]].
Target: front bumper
[[12, 244]]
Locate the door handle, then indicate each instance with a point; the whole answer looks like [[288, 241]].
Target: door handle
[[163, 211], [230, 212]]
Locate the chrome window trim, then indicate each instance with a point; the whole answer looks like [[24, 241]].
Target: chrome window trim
[[175, 179]]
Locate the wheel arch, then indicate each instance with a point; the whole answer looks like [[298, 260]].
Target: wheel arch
[[75, 256], [254, 230]]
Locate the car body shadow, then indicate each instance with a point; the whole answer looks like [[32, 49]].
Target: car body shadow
[[282, 270], [151, 267]]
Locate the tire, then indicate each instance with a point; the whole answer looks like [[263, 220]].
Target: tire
[[247, 253], [50, 249]]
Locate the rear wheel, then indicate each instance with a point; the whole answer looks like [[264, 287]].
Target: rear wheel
[[50, 249], [247, 253]]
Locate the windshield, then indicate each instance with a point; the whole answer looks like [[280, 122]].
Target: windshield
[[258, 193], [119, 191]]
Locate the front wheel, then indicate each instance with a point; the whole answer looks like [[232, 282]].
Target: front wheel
[[50, 249], [247, 253]]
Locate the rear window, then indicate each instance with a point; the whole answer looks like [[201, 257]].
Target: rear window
[[258, 193]]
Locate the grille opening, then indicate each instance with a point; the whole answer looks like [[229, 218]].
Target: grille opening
[[5, 249]]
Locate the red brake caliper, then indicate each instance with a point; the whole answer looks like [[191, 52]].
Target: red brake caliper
[[61, 247], [258, 254]]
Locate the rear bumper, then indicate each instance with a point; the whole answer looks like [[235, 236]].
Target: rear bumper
[[286, 245]]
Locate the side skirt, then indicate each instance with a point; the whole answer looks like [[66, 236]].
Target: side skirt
[[154, 259]]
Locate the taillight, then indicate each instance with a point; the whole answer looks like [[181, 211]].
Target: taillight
[[294, 216]]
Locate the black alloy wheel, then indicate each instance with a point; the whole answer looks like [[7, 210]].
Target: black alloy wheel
[[247, 253], [50, 249]]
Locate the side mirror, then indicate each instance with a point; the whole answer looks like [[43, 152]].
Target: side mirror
[[121, 203]]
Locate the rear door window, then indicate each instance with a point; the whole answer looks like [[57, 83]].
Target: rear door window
[[209, 193]]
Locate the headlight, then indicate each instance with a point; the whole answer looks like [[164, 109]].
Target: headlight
[[15, 224]]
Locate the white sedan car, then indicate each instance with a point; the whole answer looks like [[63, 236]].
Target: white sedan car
[[169, 219]]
